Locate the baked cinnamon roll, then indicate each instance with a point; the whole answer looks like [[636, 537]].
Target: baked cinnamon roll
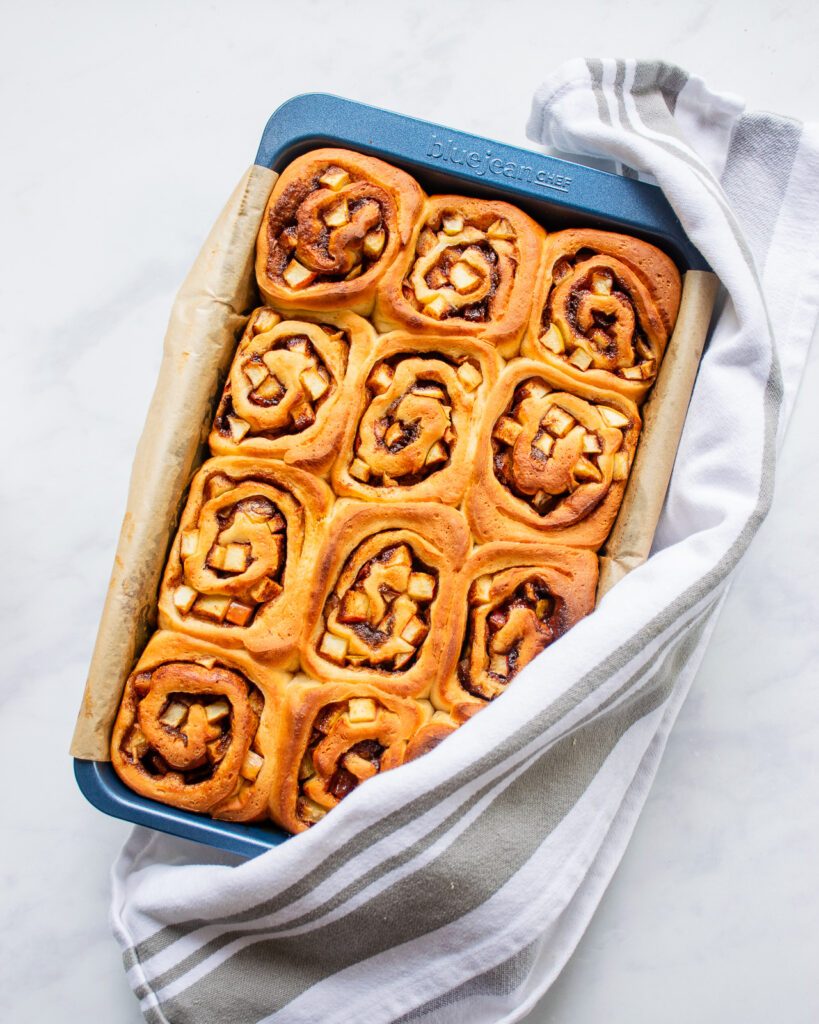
[[286, 396], [417, 404], [604, 310], [333, 737], [513, 601], [382, 596], [195, 730], [553, 459], [470, 270], [239, 568], [333, 224]]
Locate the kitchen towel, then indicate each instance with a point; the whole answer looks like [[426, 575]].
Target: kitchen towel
[[457, 887]]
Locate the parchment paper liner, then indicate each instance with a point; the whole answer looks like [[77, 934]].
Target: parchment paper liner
[[206, 318]]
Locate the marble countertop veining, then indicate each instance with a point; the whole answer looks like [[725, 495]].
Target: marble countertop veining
[[125, 129]]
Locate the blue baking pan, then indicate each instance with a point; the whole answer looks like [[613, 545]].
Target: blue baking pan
[[555, 192]]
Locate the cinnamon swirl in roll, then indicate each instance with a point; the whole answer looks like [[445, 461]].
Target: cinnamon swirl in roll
[[333, 737], [470, 270], [416, 409], [287, 396], [334, 222], [513, 601], [195, 729], [239, 569], [604, 310], [553, 459], [383, 592]]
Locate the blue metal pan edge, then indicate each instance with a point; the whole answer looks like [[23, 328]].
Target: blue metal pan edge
[[555, 191]]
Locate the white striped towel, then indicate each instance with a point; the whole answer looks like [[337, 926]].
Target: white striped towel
[[457, 887]]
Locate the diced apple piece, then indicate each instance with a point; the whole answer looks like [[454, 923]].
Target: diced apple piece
[[297, 276], [585, 469], [401, 659], [337, 215], [361, 709], [313, 382], [251, 766], [355, 607], [216, 711], [137, 743], [541, 500], [206, 662], [212, 606], [238, 428], [276, 523], [380, 379], [557, 421], [426, 241], [533, 388], [266, 320], [613, 417], [183, 598], [302, 414], [189, 543], [354, 273], [306, 768], [388, 481], [498, 665], [235, 558], [463, 278], [255, 373], [544, 444], [374, 244], [333, 647], [437, 308], [452, 223], [414, 631], [500, 228], [270, 389], [421, 586], [394, 434], [553, 340], [360, 470], [400, 555], [481, 590], [632, 373], [437, 453], [216, 557], [619, 466], [601, 282], [309, 811], [507, 430], [174, 715], [469, 376], [581, 359], [648, 368], [265, 590], [334, 178], [238, 613], [592, 444], [359, 766]]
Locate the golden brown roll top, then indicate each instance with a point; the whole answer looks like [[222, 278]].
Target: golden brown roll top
[[333, 737], [239, 569], [195, 731], [470, 270], [333, 224], [553, 459], [605, 308], [287, 393], [511, 603], [417, 404], [383, 592]]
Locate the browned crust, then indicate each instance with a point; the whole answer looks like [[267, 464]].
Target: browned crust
[[494, 513], [440, 536], [171, 649], [571, 574], [657, 287], [449, 483], [314, 448], [394, 312], [305, 504], [357, 295]]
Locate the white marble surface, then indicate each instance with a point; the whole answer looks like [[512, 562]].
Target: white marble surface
[[125, 128]]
